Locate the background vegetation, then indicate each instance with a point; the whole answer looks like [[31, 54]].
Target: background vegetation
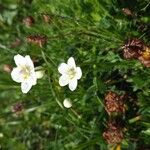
[[93, 32]]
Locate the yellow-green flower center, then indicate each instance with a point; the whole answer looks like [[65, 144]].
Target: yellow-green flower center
[[25, 72], [71, 73]]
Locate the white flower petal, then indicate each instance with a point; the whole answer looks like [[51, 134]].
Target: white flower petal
[[16, 75], [33, 79], [19, 60], [25, 86], [73, 84], [71, 62], [79, 73], [62, 68], [63, 80], [29, 62]]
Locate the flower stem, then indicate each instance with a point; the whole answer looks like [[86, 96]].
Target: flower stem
[[75, 113], [135, 119]]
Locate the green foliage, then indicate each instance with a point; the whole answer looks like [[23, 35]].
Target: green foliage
[[93, 32]]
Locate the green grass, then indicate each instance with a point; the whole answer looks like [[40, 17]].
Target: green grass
[[93, 32]]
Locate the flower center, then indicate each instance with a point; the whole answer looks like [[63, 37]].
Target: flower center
[[71, 73], [25, 72]]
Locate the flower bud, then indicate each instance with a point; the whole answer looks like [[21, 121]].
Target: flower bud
[[1, 135], [67, 103], [40, 74]]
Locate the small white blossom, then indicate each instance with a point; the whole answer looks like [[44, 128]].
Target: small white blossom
[[67, 103], [24, 73], [70, 74]]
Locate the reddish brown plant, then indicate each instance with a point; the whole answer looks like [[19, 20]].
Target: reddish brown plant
[[17, 108], [113, 134], [114, 103], [136, 49], [7, 68], [39, 40], [28, 21], [127, 11], [133, 48]]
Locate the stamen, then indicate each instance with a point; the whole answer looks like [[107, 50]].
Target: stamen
[[25, 71], [71, 73]]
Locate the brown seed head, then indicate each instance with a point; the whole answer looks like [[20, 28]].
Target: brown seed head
[[17, 108], [28, 21], [127, 11], [133, 48], [114, 103], [39, 40], [7, 68], [113, 133]]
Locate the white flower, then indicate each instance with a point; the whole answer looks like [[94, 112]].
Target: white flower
[[70, 74], [24, 73], [67, 103]]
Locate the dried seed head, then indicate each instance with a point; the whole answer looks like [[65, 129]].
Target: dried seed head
[[114, 103], [113, 133], [7, 68], [47, 18], [39, 40], [133, 48], [127, 11], [136, 49], [17, 108], [28, 21]]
